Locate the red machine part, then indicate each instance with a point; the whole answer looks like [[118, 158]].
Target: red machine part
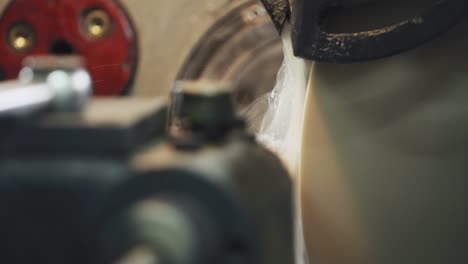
[[98, 30]]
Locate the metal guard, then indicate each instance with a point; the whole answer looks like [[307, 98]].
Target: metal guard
[[311, 42]]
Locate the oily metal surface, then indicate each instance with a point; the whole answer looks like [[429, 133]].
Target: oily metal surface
[[169, 33]]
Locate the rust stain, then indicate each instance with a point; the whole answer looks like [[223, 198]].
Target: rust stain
[[279, 11]]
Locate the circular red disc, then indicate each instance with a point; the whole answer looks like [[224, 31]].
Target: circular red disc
[[111, 60]]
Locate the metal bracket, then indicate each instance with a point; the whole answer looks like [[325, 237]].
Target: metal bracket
[[311, 41]]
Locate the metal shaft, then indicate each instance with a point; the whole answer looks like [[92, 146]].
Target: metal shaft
[[17, 99], [59, 90]]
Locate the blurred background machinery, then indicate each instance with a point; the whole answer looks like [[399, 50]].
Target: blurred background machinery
[[107, 182], [103, 182], [129, 46]]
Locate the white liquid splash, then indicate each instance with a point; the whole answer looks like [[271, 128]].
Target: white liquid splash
[[277, 118]]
